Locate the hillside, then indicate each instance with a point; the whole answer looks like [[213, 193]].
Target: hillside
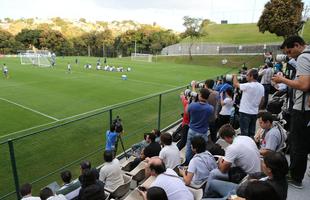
[[242, 34], [70, 28]]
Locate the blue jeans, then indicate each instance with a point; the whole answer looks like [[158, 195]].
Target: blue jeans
[[220, 190], [247, 124], [190, 135]]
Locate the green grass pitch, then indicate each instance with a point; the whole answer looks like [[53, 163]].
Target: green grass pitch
[[33, 96]]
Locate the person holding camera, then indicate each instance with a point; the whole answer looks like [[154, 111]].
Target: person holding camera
[[266, 72], [252, 98], [199, 114], [295, 47]]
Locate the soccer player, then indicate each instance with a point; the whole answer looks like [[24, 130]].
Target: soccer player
[[69, 68], [5, 71]]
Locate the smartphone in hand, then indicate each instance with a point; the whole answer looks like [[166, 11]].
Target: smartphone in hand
[[141, 188]]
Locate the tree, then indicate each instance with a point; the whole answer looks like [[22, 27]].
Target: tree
[[29, 37], [8, 44], [282, 17], [193, 31], [55, 41]]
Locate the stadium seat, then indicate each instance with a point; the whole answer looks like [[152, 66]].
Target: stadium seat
[[138, 173], [134, 195], [122, 189], [200, 186], [222, 143], [147, 183], [198, 193], [126, 165]]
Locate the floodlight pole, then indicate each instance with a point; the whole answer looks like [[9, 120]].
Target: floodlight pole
[[135, 48]]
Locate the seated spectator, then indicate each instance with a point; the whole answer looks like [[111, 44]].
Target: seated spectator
[[111, 173], [272, 139], [92, 189], [242, 153], [66, 179], [47, 194], [25, 192], [168, 180], [200, 165], [170, 154], [138, 147], [154, 193], [258, 190], [86, 165], [149, 151], [157, 134], [275, 169], [227, 104]]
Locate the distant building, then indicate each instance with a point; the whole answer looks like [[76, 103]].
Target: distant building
[[224, 21]]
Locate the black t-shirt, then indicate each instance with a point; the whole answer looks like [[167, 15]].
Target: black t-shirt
[[152, 149], [280, 186]]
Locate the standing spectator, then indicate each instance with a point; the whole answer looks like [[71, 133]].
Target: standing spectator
[[266, 74], [170, 154], [200, 165], [252, 96], [213, 100], [168, 180], [295, 47], [111, 137], [111, 173], [185, 97], [26, 193], [199, 113], [227, 104]]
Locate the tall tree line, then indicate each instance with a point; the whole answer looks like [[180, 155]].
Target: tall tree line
[[146, 39]]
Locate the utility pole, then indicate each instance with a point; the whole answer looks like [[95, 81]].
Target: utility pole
[[135, 47]]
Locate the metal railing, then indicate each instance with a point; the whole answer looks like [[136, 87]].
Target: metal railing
[[39, 156]]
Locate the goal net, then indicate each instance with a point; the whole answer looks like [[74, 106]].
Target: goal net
[[40, 58], [141, 57]]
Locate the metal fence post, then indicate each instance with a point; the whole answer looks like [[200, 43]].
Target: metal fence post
[[159, 112], [14, 168], [110, 112]]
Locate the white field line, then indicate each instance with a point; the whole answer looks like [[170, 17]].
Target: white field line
[[35, 111], [91, 111]]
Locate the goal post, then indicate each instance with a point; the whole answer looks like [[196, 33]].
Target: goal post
[[142, 57], [41, 58]]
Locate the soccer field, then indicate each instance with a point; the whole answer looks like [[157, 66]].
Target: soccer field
[[34, 96]]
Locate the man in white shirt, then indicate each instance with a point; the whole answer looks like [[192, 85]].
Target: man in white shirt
[[252, 98], [242, 152], [111, 173], [170, 154], [25, 192], [168, 180]]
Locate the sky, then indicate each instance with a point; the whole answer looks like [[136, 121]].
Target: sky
[[166, 13]]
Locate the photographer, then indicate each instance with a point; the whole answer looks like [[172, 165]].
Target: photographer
[[199, 114], [252, 97], [295, 47], [266, 72]]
